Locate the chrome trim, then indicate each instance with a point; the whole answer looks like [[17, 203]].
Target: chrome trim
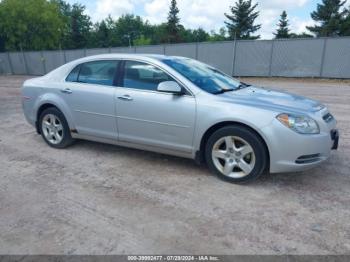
[[128, 59], [92, 113], [150, 121], [130, 118]]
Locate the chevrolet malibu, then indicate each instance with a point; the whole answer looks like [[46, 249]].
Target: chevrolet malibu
[[180, 106]]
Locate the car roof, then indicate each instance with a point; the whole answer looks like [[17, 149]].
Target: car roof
[[129, 56]]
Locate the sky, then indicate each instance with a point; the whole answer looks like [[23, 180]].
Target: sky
[[207, 14]]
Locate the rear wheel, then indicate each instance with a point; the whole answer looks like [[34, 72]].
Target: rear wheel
[[236, 154], [54, 128]]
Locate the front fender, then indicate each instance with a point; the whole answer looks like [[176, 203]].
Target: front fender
[[211, 115]]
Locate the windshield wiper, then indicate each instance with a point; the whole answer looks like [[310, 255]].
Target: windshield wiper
[[243, 85], [223, 91]]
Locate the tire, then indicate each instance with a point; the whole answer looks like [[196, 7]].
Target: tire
[[244, 159], [54, 128]]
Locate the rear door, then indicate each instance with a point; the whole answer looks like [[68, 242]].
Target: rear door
[[89, 92], [146, 116]]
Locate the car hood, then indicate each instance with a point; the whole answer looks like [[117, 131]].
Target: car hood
[[272, 99]]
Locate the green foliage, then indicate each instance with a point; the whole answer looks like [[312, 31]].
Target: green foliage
[[199, 35], [100, 36], [173, 24], [77, 28], [128, 27], [142, 40], [302, 35], [240, 23], [221, 36], [30, 24], [329, 16], [189, 35], [2, 44], [345, 26], [53, 24], [283, 27]]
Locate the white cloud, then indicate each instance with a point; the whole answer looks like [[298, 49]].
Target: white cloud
[[299, 25], [112, 7], [203, 13]]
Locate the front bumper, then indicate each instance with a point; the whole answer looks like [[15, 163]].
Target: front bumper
[[335, 138], [292, 152]]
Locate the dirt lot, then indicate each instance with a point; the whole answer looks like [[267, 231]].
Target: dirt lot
[[96, 199]]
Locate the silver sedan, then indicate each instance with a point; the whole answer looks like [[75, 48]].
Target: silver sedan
[[182, 107]]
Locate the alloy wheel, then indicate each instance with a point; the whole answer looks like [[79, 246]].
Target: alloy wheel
[[233, 156], [52, 129]]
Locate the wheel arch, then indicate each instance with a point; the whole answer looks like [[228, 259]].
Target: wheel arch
[[200, 153], [39, 111], [48, 104]]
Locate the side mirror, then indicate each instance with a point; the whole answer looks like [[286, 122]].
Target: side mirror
[[170, 87]]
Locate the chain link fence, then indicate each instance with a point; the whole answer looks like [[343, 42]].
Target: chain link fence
[[317, 57]]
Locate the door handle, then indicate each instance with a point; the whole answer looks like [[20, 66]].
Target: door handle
[[125, 98], [66, 91]]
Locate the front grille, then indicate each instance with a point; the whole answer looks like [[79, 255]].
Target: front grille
[[328, 117], [307, 159]]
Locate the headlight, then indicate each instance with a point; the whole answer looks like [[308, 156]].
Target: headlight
[[300, 124]]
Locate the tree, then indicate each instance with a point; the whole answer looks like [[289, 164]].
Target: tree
[[221, 36], [101, 35], [78, 27], [199, 35], [173, 24], [328, 17], [241, 20], [30, 24], [128, 28], [160, 33], [283, 24], [302, 35], [2, 44], [142, 40], [345, 26]]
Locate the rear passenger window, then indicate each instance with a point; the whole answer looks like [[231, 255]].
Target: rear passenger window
[[73, 76], [98, 72], [143, 76]]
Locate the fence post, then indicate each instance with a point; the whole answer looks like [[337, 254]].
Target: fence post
[[25, 62], [164, 50], [10, 63], [323, 56], [64, 56], [271, 57], [234, 57], [43, 61], [197, 46]]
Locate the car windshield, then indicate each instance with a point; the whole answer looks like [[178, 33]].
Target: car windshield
[[204, 76]]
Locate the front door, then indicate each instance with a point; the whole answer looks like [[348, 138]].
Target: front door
[[146, 116], [89, 92]]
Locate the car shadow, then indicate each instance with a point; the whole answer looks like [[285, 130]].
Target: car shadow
[[190, 167]]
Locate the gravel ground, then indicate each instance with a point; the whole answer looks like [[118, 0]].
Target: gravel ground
[[101, 199]]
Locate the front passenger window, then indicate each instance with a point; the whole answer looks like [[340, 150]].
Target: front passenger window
[[143, 76]]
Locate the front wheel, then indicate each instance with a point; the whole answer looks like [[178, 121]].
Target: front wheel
[[54, 128], [236, 154]]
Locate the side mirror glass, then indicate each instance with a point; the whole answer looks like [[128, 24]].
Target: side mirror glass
[[170, 87]]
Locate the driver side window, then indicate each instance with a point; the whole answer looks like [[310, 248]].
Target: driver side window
[[139, 75]]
